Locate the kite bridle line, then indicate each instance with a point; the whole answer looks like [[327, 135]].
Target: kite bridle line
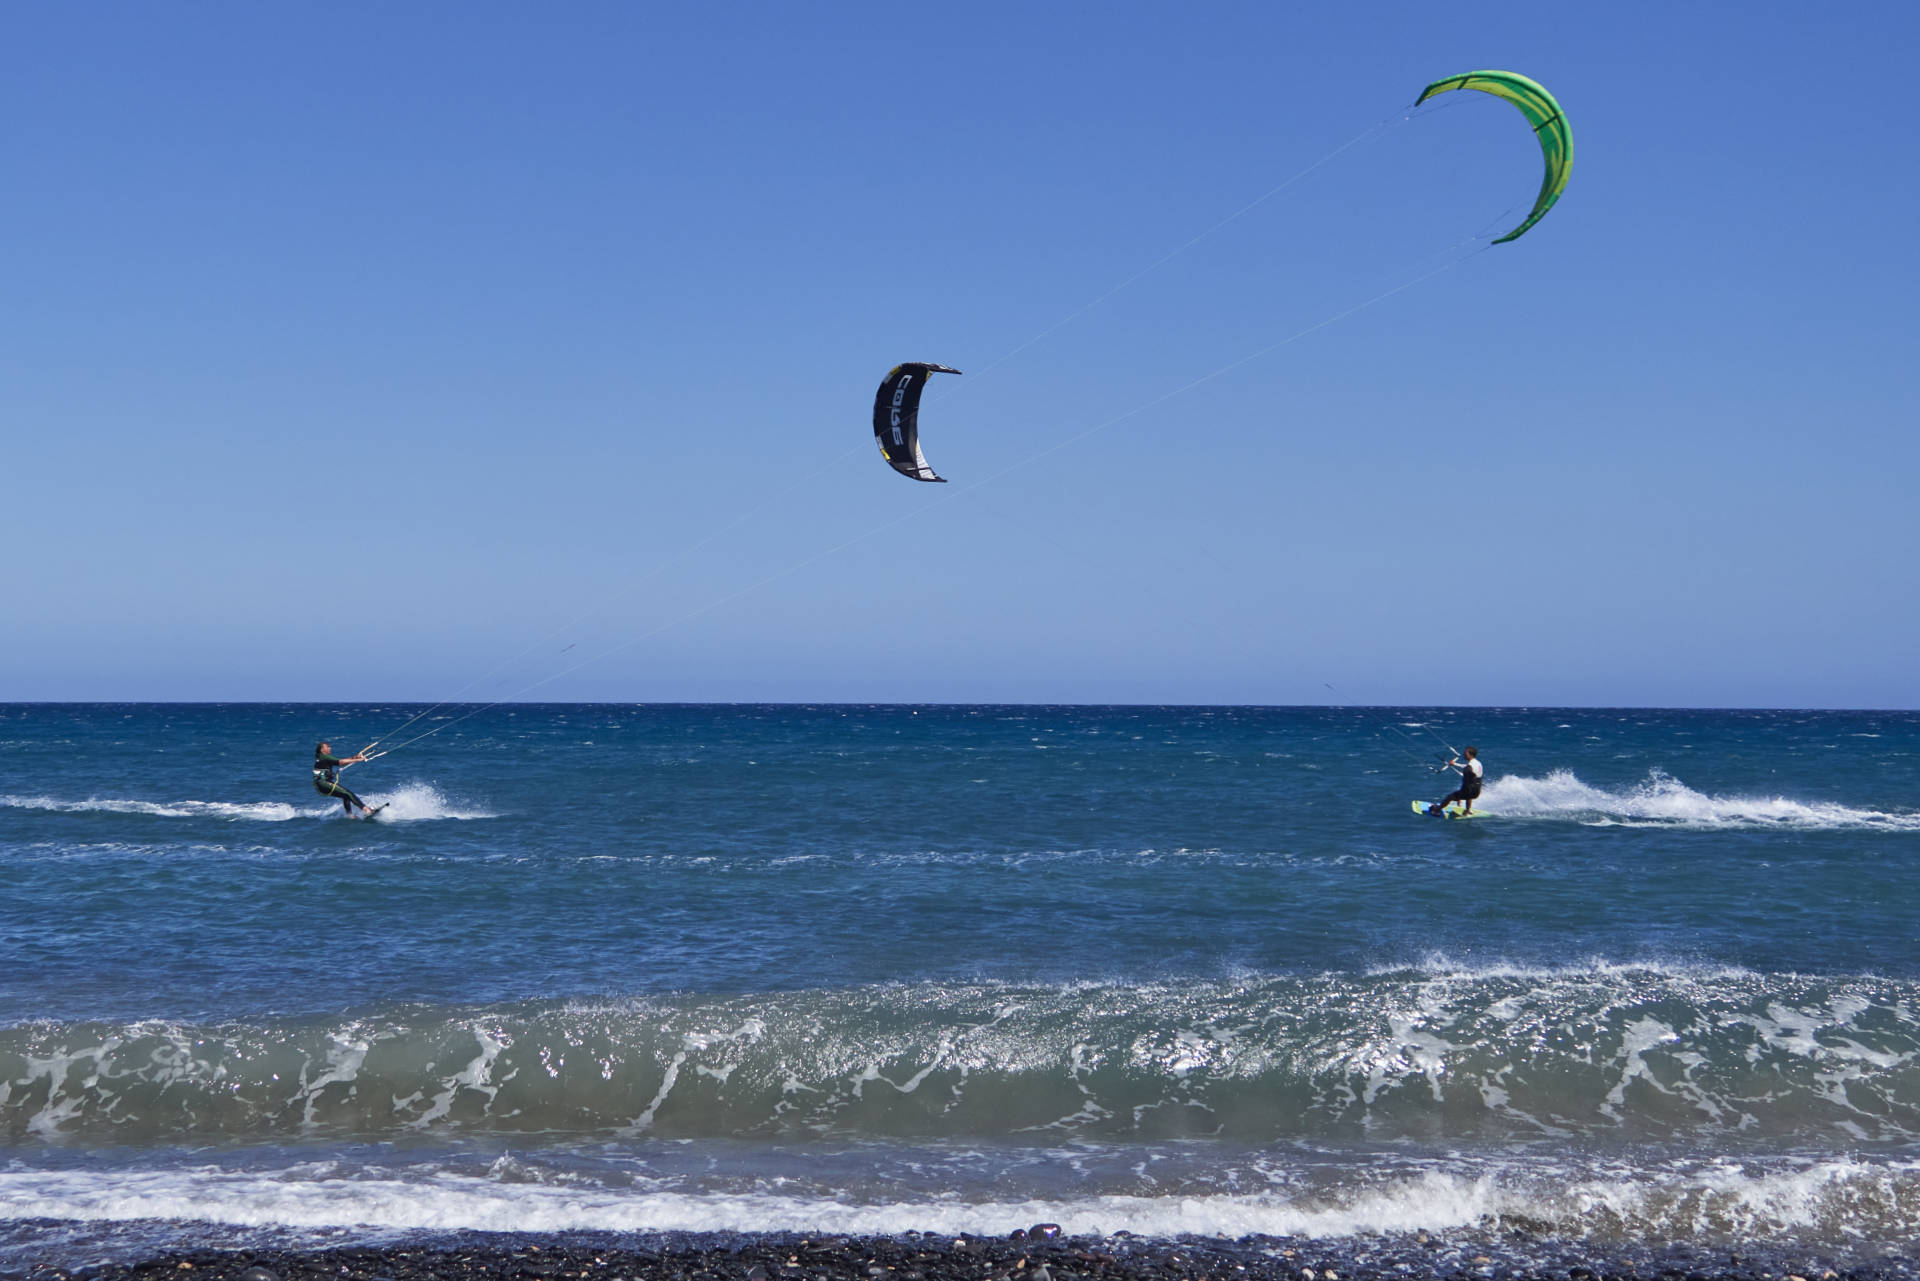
[[1420, 112]]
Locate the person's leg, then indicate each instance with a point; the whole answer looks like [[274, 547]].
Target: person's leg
[[347, 799]]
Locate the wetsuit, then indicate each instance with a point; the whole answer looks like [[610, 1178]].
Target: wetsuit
[[1470, 775], [326, 781]]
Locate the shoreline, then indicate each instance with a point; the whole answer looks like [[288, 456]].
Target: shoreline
[[1037, 1254]]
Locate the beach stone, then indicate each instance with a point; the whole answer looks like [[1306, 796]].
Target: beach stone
[[1043, 1231], [1459, 1254]]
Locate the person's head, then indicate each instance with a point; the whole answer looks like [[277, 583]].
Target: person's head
[[1472, 752], [322, 749]]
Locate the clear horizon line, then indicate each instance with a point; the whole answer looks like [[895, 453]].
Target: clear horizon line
[[872, 703]]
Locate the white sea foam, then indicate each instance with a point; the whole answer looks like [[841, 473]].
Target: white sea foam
[[410, 802], [1442, 967], [258, 811], [415, 802], [1665, 801], [455, 1204], [1707, 1200]]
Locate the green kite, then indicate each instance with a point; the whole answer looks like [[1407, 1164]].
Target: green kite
[[1549, 125]]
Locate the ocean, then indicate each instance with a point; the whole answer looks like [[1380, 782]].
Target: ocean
[[880, 969]]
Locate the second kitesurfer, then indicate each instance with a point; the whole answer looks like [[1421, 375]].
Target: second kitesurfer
[[1471, 774]]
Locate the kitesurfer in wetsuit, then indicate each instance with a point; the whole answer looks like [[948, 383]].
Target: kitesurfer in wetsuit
[[326, 778], [1470, 775]]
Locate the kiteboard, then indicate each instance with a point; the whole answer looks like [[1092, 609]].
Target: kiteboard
[[375, 811], [1425, 809]]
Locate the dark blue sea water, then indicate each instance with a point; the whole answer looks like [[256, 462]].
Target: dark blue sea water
[[956, 969]]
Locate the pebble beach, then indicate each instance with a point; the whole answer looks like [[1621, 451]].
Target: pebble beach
[[1040, 1253]]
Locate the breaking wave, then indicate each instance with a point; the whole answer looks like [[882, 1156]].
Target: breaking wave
[[1831, 1200], [1636, 1053]]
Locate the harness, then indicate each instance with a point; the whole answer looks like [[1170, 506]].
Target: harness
[[326, 776]]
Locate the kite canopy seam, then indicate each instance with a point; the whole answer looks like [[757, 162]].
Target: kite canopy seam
[[1549, 126]]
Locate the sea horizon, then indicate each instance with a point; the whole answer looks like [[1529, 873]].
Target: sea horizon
[[374, 703]]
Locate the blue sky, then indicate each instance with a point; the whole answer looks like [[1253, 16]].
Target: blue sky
[[375, 352]]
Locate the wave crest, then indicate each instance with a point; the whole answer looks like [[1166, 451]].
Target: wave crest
[[1639, 1053]]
